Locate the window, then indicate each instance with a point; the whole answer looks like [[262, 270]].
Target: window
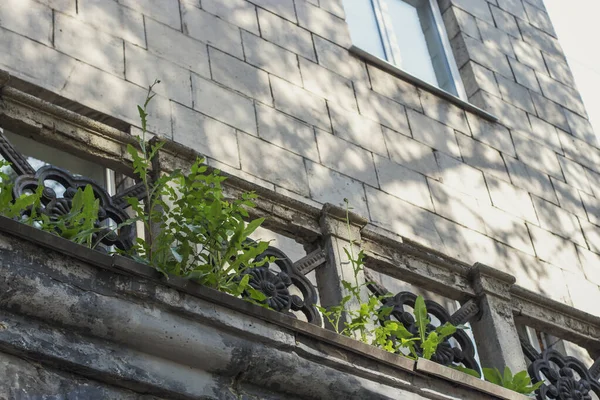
[[408, 34], [36, 152]]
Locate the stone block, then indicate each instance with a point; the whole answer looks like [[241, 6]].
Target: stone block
[[286, 34], [113, 18], [22, 58], [271, 58], [495, 38], [456, 20], [327, 84], [210, 29], [529, 55], [223, 105], [65, 6], [594, 180], [403, 183], [561, 94], [590, 263], [432, 133], [515, 94], [457, 207], [237, 12], [300, 103], [28, 18], [550, 111], [530, 179], [189, 53], [479, 9], [382, 109], [85, 43], [476, 77], [492, 134], [442, 110], [283, 8], [555, 250], [539, 157], [469, 49], [328, 186], [240, 76], [539, 39], [579, 150], [114, 96], [505, 22], [235, 171], [338, 59], [462, 177], [273, 164], [143, 68], [321, 22], [336, 7], [569, 198], [357, 129], [467, 245], [507, 114], [286, 132], [585, 295], [165, 11], [396, 89], [525, 75], [515, 7], [544, 133], [346, 158], [506, 228], [402, 218], [411, 154], [581, 128], [511, 199], [205, 135], [483, 157], [558, 221], [592, 235], [592, 208], [575, 174], [559, 70]]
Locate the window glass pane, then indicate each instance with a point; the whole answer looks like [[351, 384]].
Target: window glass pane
[[363, 26], [411, 41], [40, 155]]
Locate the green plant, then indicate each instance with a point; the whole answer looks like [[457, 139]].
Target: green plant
[[369, 321], [519, 382], [192, 230], [16, 208]]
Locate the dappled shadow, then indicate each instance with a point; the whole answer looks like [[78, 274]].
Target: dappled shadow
[[285, 117]]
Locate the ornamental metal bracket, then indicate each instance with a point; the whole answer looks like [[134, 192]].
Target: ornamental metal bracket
[[563, 377], [458, 348], [285, 287], [112, 208]]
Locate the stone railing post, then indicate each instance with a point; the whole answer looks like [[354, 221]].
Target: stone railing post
[[338, 234], [495, 332]]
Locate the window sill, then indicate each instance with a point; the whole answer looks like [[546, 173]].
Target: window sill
[[392, 69]]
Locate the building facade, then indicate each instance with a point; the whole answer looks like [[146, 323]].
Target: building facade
[[453, 128]]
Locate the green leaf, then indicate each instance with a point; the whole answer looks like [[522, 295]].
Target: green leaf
[[421, 317], [508, 377], [430, 345], [493, 375]]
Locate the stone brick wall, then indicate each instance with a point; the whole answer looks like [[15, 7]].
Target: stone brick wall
[[268, 91]]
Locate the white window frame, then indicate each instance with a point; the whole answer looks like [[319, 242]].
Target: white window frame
[[392, 51]]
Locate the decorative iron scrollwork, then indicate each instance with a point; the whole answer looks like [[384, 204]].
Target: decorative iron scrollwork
[[112, 209], [455, 350], [276, 286], [564, 377]]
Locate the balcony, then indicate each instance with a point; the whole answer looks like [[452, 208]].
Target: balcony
[[80, 321]]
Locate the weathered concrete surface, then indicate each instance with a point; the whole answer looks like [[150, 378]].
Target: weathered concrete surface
[[72, 329]]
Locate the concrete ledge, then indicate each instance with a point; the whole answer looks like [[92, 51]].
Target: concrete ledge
[[432, 368]]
